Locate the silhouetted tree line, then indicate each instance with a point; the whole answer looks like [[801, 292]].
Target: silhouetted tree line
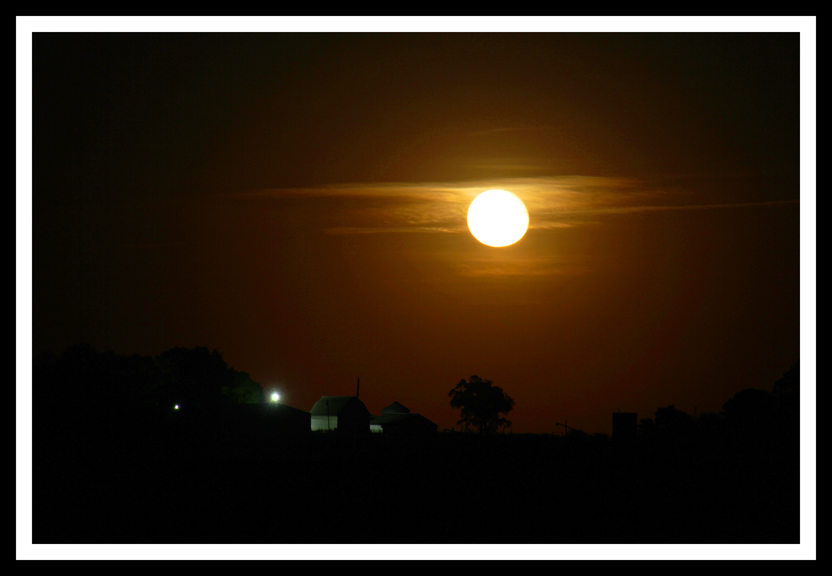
[[195, 377], [751, 418], [114, 462], [88, 393]]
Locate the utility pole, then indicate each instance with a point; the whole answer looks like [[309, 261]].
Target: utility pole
[[566, 426]]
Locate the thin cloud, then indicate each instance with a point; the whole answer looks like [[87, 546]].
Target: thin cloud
[[441, 207], [404, 230], [632, 209]]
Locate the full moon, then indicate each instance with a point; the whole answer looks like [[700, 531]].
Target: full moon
[[498, 218]]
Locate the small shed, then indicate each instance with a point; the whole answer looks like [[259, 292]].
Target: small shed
[[342, 413]]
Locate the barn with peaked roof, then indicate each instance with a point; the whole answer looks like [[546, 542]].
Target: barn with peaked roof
[[342, 413]]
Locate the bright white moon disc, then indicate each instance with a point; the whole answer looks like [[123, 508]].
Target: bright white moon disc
[[498, 218]]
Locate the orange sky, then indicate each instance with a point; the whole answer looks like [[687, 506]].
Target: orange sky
[[298, 202]]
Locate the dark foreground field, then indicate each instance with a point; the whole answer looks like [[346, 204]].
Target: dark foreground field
[[196, 484]]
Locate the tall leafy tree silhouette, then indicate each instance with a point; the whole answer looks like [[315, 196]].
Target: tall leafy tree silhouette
[[481, 404]]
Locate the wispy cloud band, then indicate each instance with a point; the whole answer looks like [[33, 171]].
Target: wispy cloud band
[[441, 207]]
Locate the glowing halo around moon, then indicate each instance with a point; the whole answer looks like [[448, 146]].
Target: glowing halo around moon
[[498, 218]]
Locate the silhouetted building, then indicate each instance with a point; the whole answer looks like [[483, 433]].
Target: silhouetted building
[[395, 408], [397, 420], [343, 413], [624, 424]]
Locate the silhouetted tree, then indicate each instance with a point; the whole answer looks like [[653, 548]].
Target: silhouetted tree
[[244, 390], [647, 427], [481, 404], [600, 437], [194, 377], [709, 426], [668, 425], [673, 422], [750, 408], [787, 391], [84, 379]]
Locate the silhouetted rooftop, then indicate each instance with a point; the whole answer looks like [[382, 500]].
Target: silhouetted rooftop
[[332, 405], [395, 408]]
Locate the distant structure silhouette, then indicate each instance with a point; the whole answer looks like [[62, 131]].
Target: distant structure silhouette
[[395, 408], [343, 413], [397, 420], [566, 427]]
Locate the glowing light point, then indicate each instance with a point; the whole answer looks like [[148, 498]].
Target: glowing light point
[[275, 397], [498, 218], [176, 406]]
